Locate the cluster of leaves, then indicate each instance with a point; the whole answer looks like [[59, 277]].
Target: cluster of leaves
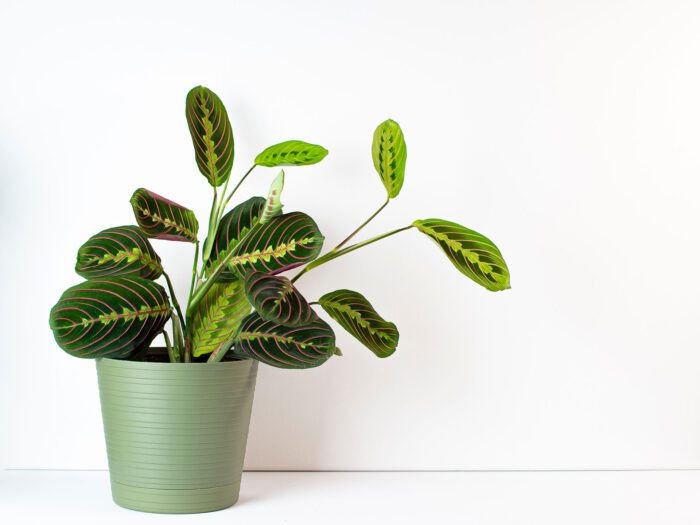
[[239, 303]]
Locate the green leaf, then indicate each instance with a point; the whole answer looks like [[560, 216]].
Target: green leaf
[[471, 253], [287, 241], [123, 250], [161, 218], [273, 205], [291, 153], [276, 299], [389, 156], [109, 317], [353, 312], [211, 133], [284, 347], [232, 228], [217, 317]]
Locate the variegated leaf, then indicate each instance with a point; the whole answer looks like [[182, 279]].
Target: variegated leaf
[[287, 241], [389, 156], [211, 133], [291, 153], [161, 218], [470, 252], [273, 205], [284, 347], [354, 312], [109, 317], [276, 299], [119, 251], [217, 317]]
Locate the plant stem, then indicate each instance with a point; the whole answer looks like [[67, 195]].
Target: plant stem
[[344, 241], [194, 271], [213, 224], [169, 345], [335, 254], [244, 177], [173, 298]]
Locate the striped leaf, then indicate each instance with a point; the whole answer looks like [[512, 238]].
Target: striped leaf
[[353, 312], [123, 250], [217, 317], [109, 317], [287, 241], [471, 253], [389, 156], [161, 218], [211, 133], [273, 205], [291, 153], [284, 347], [232, 228], [276, 299]]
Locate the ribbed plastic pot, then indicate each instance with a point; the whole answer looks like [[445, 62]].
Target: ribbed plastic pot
[[176, 433]]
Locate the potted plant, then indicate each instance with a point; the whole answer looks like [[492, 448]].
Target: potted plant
[[176, 418]]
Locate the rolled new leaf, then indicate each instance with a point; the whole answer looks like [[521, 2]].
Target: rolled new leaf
[[109, 317], [119, 251], [389, 156], [284, 347], [211, 133], [291, 153], [354, 312], [276, 299], [161, 218], [470, 252], [285, 242], [273, 205], [217, 318]]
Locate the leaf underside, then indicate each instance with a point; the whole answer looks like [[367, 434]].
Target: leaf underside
[[276, 299], [389, 156], [291, 153], [161, 218]]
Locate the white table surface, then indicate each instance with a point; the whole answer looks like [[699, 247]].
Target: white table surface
[[561, 498]]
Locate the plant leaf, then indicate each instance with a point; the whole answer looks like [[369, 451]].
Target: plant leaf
[[284, 347], [211, 133], [123, 250], [161, 218], [291, 153], [389, 156], [273, 205], [109, 317], [217, 317], [232, 228], [471, 253], [287, 241], [353, 312], [276, 299]]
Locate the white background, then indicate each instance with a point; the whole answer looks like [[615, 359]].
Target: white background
[[568, 132]]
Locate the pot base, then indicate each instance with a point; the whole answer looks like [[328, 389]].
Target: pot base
[[175, 501]]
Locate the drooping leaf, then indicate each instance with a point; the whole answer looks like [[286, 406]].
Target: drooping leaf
[[284, 347], [287, 241], [211, 133], [276, 299], [109, 317], [232, 228], [161, 218], [389, 156], [353, 312], [470, 252], [291, 153], [119, 251], [217, 317], [273, 205]]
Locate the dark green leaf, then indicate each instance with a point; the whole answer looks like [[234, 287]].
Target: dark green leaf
[[291, 153], [276, 299], [161, 218], [389, 156], [109, 317]]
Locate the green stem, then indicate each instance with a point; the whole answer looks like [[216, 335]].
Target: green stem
[[244, 177], [344, 241], [194, 271], [169, 346], [335, 254], [213, 224], [173, 298]]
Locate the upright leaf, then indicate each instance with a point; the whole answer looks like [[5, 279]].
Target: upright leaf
[[354, 313], [287, 241], [284, 347], [123, 250], [273, 205], [389, 156], [470, 252], [109, 317], [217, 317], [291, 153], [276, 299], [211, 133], [161, 218]]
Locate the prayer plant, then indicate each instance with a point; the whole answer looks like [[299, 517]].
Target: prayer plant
[[240, 305]]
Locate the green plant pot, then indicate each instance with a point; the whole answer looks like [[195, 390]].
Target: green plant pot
[[176, 433]]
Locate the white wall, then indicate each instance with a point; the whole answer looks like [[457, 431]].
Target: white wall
[[568, 132]]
